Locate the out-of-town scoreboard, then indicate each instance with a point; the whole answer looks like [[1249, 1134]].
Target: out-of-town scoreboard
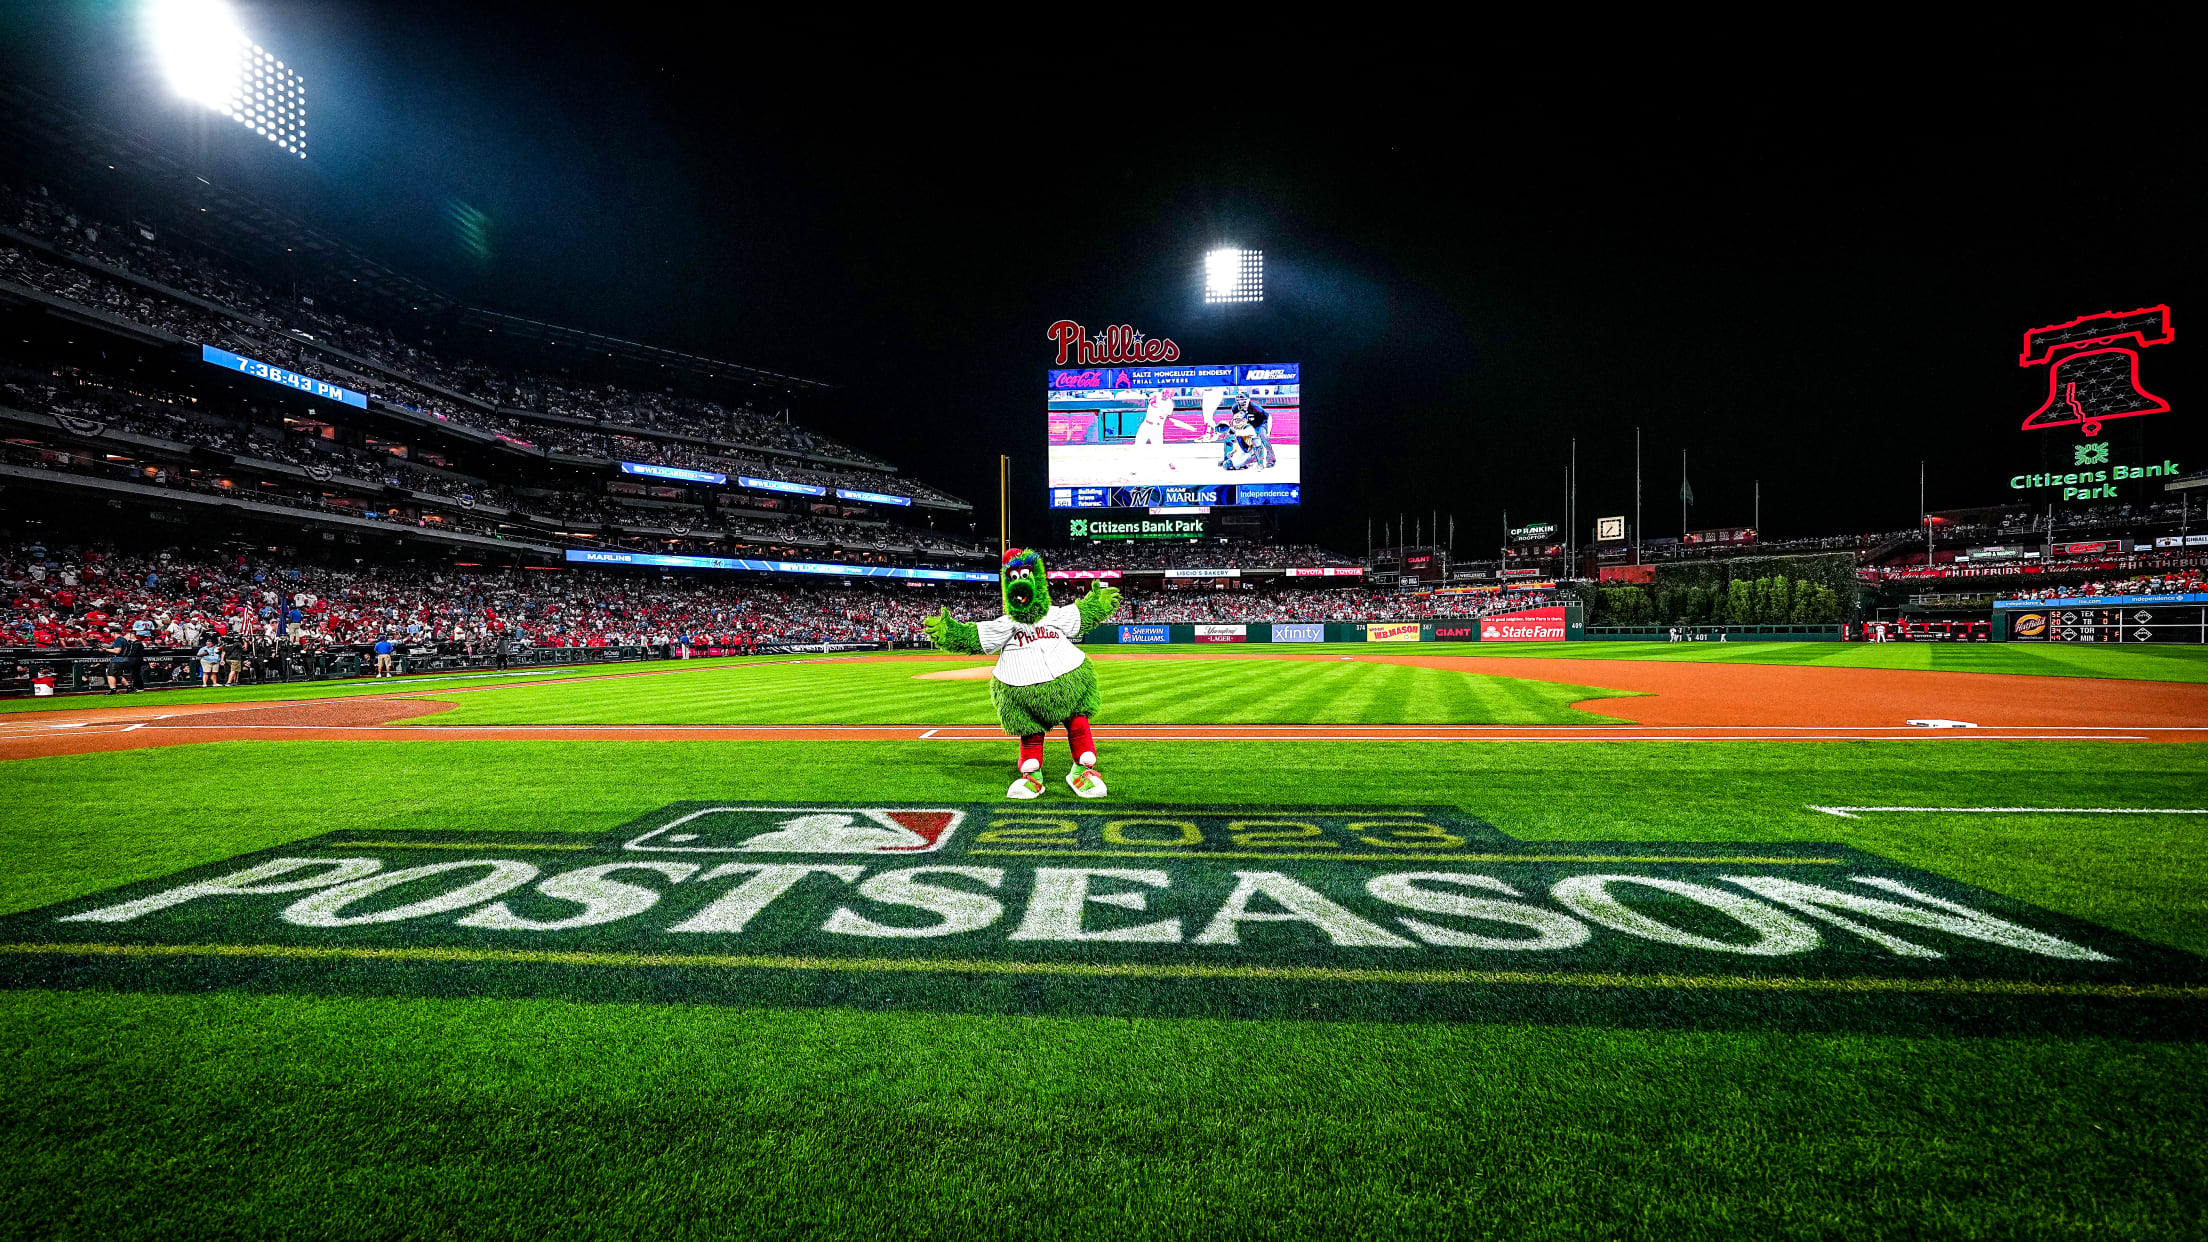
[[2109, 619]]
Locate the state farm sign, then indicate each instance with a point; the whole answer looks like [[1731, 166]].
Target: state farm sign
[[1534, 625]]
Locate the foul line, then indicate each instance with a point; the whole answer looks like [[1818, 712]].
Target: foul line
[[445, 845], [1854, 812], [1744, 860], [1129, 970]]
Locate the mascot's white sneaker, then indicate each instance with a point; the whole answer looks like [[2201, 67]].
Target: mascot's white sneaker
[[1083, 780], [1030, 782]]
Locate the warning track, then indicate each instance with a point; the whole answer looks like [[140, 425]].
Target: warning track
[[1681, 702]]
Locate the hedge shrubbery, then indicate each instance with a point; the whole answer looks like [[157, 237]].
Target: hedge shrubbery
[[1817, 589], [1776, 600]]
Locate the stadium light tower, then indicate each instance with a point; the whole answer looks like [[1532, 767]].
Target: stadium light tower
[[1234, 275], [208, 59]]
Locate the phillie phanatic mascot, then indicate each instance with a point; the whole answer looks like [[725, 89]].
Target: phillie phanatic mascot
[[1042, 680]]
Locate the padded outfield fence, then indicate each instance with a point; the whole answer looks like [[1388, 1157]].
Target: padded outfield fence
[[81, 671]]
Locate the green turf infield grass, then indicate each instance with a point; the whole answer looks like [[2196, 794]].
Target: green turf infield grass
[[1187, 691], [2140, 662], [161, 700], [272, 1111]]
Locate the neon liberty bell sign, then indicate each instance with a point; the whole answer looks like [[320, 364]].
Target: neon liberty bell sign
[[2093, 368]]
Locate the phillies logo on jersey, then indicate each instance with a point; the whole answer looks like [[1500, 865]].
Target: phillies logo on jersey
[[1116, 344]]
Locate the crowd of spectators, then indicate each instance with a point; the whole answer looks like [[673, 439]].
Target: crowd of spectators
[[79, 597], [2168, 582], [294, 331], [1159, 555], [1327, 604]]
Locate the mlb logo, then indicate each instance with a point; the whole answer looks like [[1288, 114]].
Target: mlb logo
[[803, 830]]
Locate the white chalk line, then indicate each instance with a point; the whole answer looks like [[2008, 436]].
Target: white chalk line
[[893, 732], [1856, 812]]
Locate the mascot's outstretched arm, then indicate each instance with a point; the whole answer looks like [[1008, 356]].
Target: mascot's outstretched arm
[[1101, 601], [952, 634]]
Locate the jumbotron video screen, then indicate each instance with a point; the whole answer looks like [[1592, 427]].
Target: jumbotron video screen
[[1213, 435]]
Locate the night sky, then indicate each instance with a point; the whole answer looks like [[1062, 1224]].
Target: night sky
[[1811, 282]]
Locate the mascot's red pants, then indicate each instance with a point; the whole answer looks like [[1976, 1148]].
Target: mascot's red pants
[[1077, 736]]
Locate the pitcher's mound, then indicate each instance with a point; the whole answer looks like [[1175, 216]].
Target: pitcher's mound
[[978, 673]]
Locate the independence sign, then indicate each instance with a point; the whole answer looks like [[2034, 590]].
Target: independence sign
[[1410, 912]]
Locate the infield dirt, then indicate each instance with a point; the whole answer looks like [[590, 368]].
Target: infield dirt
[[1699, 702]]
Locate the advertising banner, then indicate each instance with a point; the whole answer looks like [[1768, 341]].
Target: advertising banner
[[1534, 625], [872, 498], [1302, 633], [1222, 634], [1456, 631], [1532, 532], [1203, 573], [1081, 574], [777, 485], [592, 556], [1145, 633], [278, 375], [2095, 548], [1407, 631], [1328, 572], [672, 472]]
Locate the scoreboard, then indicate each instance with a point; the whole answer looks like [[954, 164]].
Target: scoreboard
[[2073, 621]]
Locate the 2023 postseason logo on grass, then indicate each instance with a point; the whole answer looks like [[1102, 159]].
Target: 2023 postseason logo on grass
[[1413, 913]]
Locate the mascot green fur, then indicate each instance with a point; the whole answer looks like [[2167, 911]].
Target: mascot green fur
[[1042, 680]]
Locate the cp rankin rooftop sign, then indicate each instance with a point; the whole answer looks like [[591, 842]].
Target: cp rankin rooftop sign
[[1113, 346]]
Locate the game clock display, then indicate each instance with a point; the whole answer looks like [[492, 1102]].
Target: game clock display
[[1136, 437]]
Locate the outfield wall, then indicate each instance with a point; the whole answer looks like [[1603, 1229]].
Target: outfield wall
[[1716, 633], [1558, 624]]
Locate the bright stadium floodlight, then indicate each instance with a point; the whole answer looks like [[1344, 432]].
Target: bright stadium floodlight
[[209, 60], [1234, 275]]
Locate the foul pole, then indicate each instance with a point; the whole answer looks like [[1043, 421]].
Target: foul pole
[[1004, 525]]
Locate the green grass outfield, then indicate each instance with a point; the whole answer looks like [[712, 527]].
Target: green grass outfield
[[264, 1110], [2141, 663], [1168, 691]]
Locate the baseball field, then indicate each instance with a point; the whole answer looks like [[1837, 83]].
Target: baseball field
[[1587, 940]]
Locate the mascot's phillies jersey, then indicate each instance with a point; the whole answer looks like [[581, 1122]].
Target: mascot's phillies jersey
[[1028, 655]]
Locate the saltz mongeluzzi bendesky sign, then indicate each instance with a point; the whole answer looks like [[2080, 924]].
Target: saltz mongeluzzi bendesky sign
[[1407, 912]]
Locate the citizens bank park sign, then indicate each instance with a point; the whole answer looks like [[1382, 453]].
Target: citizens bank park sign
[[1328, 911]]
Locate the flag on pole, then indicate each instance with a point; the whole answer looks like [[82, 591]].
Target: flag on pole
[[1686, 493]]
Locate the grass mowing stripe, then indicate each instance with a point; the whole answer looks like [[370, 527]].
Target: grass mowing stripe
[[1135, 970], [1182, 691]]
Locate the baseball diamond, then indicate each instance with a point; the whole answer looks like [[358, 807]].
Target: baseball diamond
[[598, 643]]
